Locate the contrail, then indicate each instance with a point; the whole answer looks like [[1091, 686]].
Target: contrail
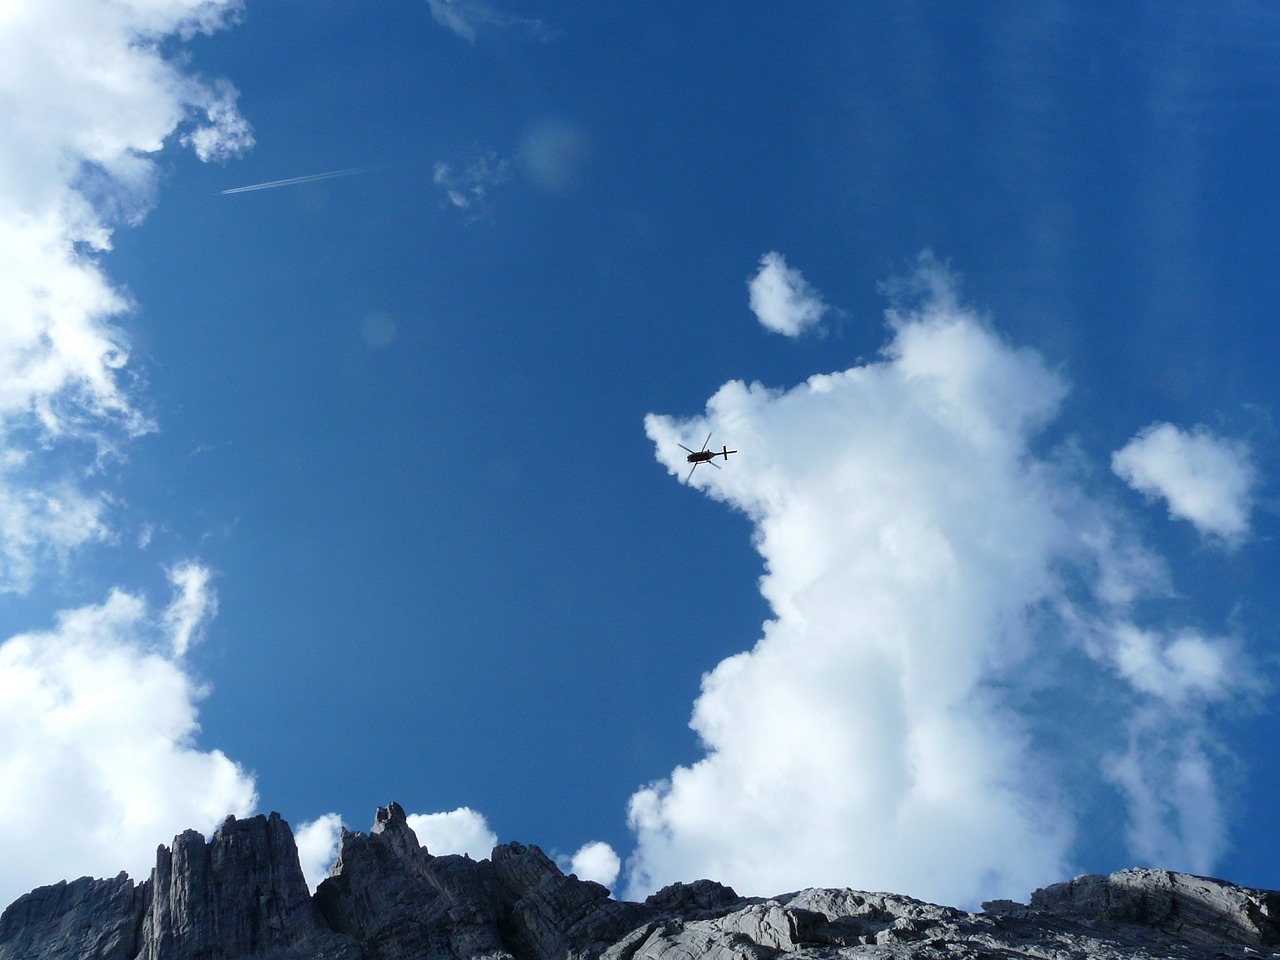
[[309, 178]]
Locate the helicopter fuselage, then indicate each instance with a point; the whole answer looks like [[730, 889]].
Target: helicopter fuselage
[[705, 456]]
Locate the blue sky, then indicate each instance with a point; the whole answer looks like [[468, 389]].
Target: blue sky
[[368, 487]]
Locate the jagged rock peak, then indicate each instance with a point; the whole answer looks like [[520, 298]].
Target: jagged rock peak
[[391, 813], [392, 826]]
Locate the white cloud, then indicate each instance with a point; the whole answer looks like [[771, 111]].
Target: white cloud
[[782, 299], [596, 861], [946, 602], [317, 842], [459, 831], [98, 761], [1204, 478]]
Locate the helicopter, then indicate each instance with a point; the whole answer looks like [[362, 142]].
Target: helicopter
[[704, 455]]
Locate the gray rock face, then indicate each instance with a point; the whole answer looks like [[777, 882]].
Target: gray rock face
[[1195, 909], [389, 895], [242, 895], [551, 915], [84, 918]]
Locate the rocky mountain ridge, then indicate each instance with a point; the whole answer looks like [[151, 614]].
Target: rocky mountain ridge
[[242, 895]]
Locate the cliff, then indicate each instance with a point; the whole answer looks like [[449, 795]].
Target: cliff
[[242, 895]]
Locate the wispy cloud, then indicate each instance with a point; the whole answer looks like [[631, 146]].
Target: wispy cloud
[[467, 17], [781, 298], [194, 605], [947, 601], [467, 188], [43, 523], [1205, 479], [99, 713]]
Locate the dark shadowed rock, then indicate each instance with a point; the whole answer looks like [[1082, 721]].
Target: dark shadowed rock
[[548, 915], [700, 900], [1196, 909], [391, 827], [388, 894], [241, 896], [75, 921]]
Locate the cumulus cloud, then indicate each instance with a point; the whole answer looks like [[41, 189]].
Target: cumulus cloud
[[948, 599], [317, 842], [1204, 478], [782, 299], [97, 737], [458, 831], [97, 715], [466, 17], [596, 861]]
